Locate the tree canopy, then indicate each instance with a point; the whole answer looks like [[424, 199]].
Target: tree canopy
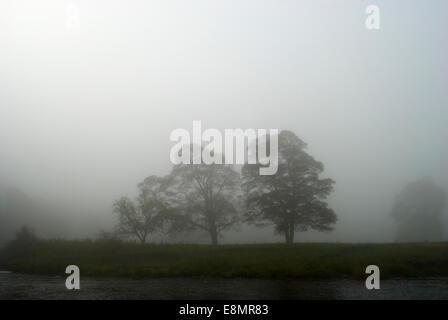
[[148, 213], [417, 211], [211, 197], [294, 198], [207, 196]]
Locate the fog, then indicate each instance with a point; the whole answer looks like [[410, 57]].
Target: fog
[[91, 90]]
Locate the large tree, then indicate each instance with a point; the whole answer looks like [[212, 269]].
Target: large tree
[[148, 213], [293, 199], [418, 210], [206, 197]]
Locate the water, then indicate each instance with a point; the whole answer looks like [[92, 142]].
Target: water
[[20, 286]]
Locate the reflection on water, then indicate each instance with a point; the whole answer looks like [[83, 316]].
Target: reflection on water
[[19, 286]]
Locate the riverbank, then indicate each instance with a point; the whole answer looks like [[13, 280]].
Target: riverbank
[[268, 261]]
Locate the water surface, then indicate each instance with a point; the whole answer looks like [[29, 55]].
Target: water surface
[[21, 286]]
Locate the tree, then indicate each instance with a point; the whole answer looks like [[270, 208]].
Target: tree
[[150, 211], [418, 210], [293, 198], [23, 245], [206, 197], [26, 235]]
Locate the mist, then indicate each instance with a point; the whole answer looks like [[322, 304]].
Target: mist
[[90, 92]]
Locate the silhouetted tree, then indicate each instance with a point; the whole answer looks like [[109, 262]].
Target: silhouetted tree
[[293, 198], [18, 209], [206, 197], [23, 245], [147, 215], [417, 211]]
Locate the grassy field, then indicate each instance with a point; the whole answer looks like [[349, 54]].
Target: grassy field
[[310, 260]]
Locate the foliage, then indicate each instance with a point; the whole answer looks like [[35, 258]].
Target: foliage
[[417, 211], [23, 245], [207, 197], [293, 198], [148, 213]]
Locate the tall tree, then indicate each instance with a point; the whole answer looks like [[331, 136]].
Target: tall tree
[[418, 210], [293, 199], [148, 214], [207, 197]]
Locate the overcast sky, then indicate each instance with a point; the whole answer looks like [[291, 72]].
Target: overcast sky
[[90, 91]]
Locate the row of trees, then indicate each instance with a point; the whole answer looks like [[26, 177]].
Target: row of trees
[[216, 197]]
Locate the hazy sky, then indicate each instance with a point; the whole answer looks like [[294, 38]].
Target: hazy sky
[[87, 103]]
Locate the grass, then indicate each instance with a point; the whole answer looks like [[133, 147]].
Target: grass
[[307, 261]]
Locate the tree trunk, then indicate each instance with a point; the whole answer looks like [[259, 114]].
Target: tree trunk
[[213, 230], [289, 233], [286, 236], [214, 237], [142, 239]]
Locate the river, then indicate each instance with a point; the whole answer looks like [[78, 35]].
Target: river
[[21, 286]]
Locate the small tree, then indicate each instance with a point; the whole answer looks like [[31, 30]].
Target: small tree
[[23, 245], [26, 235], [148, 213], [206, 197], [293, 198]]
